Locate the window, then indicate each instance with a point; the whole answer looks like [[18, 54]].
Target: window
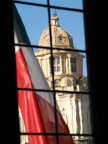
[[56, 64], [60, 39], [73, 65], [52, 31], [7, 56]]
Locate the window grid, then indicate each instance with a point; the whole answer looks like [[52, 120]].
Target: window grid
[[51, 48]]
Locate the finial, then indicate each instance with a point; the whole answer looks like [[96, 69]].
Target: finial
[[55, 13]]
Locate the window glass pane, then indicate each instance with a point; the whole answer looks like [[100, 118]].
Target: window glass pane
[[78, 80], [35, 20], [75, 110], [69, 80], [67, 29], [68, 3], [35, 64], [43, 56], [30, 112]]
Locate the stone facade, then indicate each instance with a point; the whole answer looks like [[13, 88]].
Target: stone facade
[[68, 76]]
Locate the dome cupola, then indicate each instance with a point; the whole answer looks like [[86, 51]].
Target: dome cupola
[[60, 38]]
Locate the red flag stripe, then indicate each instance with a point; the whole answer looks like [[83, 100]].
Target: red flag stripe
[[28, 103]]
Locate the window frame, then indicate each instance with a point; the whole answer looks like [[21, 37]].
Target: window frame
[[8, 59]]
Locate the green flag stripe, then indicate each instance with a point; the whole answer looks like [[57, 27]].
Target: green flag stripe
[[19, 27]]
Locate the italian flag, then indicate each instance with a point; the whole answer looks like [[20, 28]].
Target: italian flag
[[36, 109]]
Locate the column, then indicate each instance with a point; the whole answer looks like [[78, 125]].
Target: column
[[69, 64], [66, 68]]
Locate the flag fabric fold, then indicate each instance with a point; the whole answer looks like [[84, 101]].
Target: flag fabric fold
[[36, 108]]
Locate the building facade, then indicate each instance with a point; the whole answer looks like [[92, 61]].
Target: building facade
[[68, 76]]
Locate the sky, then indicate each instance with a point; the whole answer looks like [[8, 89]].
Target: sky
[[35, 20]]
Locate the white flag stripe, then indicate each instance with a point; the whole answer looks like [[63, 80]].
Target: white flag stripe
[[16, 41]]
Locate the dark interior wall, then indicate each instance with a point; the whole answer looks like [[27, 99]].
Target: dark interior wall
[[8, 96], [95, 18]]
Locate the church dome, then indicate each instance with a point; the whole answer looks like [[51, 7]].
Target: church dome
[[60, 38]]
